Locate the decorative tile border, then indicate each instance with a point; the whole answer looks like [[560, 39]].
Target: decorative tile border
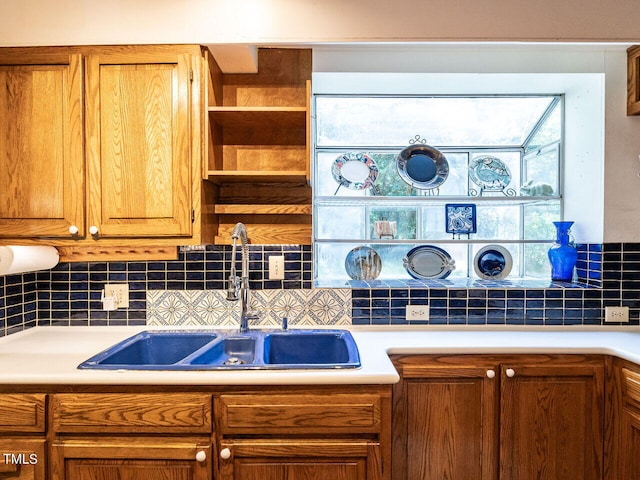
[[211, 308]]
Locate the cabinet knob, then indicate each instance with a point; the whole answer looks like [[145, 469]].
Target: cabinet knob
[[510, 372], [73, 230], [225, 453], [93, 230], [201, 456], [491, 373]]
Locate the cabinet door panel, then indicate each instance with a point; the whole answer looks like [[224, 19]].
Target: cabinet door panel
[[630, 464], [41, 150], [246, 469], [131, 458], [22, 459], [447, 424], [301, 460], [138, 144], [551, 422]]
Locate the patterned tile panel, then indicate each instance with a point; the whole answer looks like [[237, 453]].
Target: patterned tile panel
[[210, 308]]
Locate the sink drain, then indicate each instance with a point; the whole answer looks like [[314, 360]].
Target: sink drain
[[234, 361]]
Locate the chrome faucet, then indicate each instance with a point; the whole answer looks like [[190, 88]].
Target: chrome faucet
[[239, 285]]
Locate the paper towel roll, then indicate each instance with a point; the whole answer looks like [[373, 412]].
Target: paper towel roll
[[18, 259]]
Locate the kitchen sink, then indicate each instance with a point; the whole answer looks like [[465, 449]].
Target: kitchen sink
[[150, 349], [232, 351], [228, 350], [310, 348]]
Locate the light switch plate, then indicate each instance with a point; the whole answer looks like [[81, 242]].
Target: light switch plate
[[417, 312], [276, 267], [120, 291]]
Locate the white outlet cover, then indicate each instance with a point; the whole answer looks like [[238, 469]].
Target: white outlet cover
[[417, 312], [120, 291], [276, 267]]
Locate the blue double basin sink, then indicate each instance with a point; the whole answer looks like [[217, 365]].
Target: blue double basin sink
[[226, 350]]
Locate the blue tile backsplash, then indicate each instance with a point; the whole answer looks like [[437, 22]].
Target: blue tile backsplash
[[69, 294]]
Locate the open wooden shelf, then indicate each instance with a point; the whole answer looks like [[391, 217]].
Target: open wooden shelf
[[258, 128], [261, 209], [282, 117], [221, 177]]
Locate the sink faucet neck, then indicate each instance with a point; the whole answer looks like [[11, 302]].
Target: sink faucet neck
[[239, 285]]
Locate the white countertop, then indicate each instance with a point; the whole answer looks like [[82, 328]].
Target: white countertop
[[50, 355]]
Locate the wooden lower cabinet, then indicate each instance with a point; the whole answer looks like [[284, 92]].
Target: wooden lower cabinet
[[498, 417], [300, 460], [131, 458]]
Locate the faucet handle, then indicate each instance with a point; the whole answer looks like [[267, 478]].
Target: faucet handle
[[285, 323], [234, 289]]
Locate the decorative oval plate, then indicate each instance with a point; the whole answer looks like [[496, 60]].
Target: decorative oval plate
[[428, 262], [489, 173], [363, 263], [356, 171], [422, 166], [493, 262]]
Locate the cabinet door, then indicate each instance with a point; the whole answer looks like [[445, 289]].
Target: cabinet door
[[445, 423], [551, 422], [132, 458], [22, 459], [139, 144], [300, 460], [41, 145], [630, 460]]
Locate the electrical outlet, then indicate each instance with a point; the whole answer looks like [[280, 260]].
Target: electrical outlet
[[616, 314], [276, 267], [417, 312], [120, 291]]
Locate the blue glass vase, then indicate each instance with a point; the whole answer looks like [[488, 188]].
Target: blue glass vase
[[563, 253]]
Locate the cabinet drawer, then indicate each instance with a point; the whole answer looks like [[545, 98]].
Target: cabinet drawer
[[321, 413], [22, 413], [138, 413]]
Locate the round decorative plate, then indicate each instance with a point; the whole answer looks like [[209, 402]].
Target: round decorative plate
[[356, 171], [493, 262], [489, 173], [428, 262], [422, 166], [363, 263]]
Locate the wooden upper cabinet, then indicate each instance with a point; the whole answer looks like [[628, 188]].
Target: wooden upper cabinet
[[41, 145], [633, 80], [139, 144]]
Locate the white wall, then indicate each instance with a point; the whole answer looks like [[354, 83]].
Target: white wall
[[60, 22]]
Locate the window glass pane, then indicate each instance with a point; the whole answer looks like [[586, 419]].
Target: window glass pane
[[453, 121], [541, 171], [500, 222], [397, 223], [536, 261], [538, 221], [340, 222], [549, 132]]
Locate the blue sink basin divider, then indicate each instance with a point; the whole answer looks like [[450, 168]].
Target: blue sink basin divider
[[225, 350]]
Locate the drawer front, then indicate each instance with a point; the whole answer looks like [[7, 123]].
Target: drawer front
[[264, 414], [22, 412], [136, 413]]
